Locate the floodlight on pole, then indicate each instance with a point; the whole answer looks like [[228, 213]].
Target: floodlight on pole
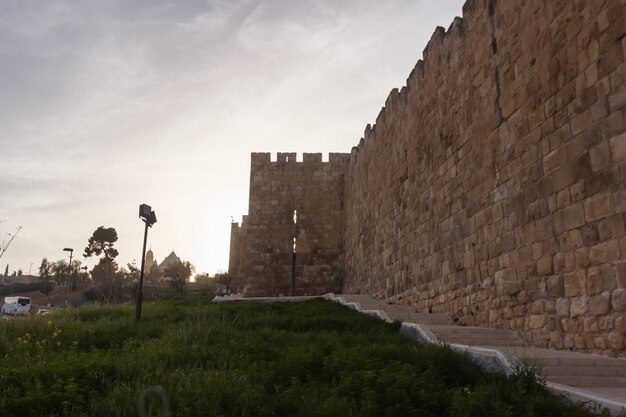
[[69, 268], [148, 216]]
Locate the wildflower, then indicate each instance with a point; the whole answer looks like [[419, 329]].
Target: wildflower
[[466, 390], [49, 323]]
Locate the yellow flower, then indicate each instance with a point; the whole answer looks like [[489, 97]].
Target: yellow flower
[[466, 390], [49, 323]]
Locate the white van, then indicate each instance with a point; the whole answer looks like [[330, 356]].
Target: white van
[[16, 305]]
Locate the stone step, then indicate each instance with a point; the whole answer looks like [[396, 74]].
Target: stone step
[[600, 371], [578, 361], [589, 381], [486, 342], [419, 317], [386, 307], [351, 297], [476, 336], [453, 328]]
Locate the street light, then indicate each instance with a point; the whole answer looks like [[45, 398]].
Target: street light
[[148, 216], [69, 268]]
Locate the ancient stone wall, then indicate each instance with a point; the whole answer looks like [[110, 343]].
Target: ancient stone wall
[[294, 207], [492, 186]]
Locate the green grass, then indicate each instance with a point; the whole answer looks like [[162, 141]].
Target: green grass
[[312, 358]]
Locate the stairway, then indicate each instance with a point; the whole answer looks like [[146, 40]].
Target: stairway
[[591, 377]]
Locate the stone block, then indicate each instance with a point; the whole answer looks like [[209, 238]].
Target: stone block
[[579, 306], [593, 283], [598, 254], [543, 228], [562, 307], [577, 191], [573, 283], [618, 300], [554, 286], [620, 201], [618, 147], [609, 277], [599, 342], [599, 304], [544, 265], [620, 269], [537, 307], [573, 216], [590, 325], [600, 157], [616, 340], [598, 207], [582, 258], [537, 321]]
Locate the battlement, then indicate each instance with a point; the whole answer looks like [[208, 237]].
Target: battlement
[[282, 158]]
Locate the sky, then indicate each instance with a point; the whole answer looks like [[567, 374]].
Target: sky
[[108, 104]]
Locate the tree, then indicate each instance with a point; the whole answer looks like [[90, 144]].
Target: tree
[[59, 271], [132, 273], [101, 243], [44, 269], [104, 275], [6, 271], [223, 280], [179, 273], [203, 278], [45, 272]]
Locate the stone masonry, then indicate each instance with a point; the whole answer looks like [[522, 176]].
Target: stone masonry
[[492, 186], [295, 207]]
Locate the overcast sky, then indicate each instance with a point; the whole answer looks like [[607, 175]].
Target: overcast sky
[[108, 104]]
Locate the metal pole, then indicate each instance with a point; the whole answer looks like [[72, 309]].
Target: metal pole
[[143, 261], [69, 268], [293, 274]]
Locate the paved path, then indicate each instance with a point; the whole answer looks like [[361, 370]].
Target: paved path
[[580, 376]]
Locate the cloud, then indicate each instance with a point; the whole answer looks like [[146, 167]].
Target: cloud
[[109, 104]]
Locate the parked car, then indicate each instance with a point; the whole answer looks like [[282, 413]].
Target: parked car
[[16, 305]]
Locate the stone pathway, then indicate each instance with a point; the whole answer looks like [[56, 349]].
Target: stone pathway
[[578, 376]]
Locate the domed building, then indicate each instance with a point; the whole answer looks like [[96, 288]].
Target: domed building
[[154, 270]]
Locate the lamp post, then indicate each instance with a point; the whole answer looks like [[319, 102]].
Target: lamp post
[[148, 216], [69, 269]]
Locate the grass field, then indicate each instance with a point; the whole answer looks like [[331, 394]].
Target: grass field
[[312, 358]]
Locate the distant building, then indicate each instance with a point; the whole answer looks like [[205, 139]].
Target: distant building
[[171, 259], [154, 269], [150, 261]]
